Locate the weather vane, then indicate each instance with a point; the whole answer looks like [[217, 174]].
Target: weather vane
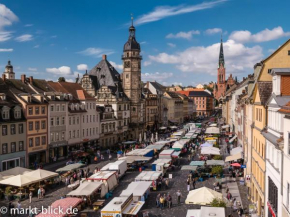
[[132, 18]]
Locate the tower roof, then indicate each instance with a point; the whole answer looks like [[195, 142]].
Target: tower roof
[[132, 43], [221, 55]]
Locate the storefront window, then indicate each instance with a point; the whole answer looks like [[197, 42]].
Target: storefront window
[[6, 165]]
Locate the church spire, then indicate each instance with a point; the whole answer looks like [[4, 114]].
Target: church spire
[[221, 56]]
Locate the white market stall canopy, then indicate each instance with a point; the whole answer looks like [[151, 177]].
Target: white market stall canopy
[[215, 162], [133, 159], [213, 125], [155, 146], [166, 154], [212, 130], [202, 196], [138, 189], [232, 139], [148, 176], [165, 161], [70, 167], [196, 163], [173, 127], [206, 211], [236, 150], [41, 174], [15, 171], [162, 128], [138, 152], [88, 188], [108, 177], [234, 157], [180, 144], [225, 126], [19, 180], [189, 167], [161, 143], [133, 208], [210, 151], [206, 144]]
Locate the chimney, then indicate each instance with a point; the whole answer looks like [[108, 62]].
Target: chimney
[[104, 57], [31, 80], [23, 78], [147, 84], [3, 77]]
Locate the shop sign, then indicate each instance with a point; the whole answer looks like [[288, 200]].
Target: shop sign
[[170, 176], [37, 148], [243, 166], [58, 144], [271, 210]]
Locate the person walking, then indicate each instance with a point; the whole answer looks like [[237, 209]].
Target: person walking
[[234, 204], [188, 184], [39, 193], [178, 193], [158, 200], [169, 201], [240, 212], [167, 183], [162, 201], [193, 183], [30, 196]]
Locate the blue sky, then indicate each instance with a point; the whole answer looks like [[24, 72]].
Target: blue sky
[[179, 39]]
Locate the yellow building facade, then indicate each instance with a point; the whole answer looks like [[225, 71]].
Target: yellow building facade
[[262, 91]]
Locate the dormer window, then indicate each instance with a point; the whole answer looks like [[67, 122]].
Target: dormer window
[[17, 113], [5, 113], [72, 107]]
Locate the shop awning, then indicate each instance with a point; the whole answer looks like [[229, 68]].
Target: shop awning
[[189, 167], [138, 189], [212, 130], [19, 181], [215, 162], [196, 163], [232, 139], [176, 154], [70, 167], [41, 174], [234, 157], [236, 150], [15, 171], [88, 188], [225, 126], [210, 150]]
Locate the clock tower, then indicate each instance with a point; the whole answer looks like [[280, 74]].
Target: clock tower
[[132, 75]]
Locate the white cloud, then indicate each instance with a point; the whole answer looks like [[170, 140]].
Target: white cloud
[[271, 50], [116, 66], [213, 31], [205, 59], [24, 38], [7, 17], [186, 35], [61, 71], [54, 36], [36, 46], [6, 49], [82, 67], [32, 69], [143, 42], [147, 63], [28, 25], [159, 77], [162, 12], [5, 36], [262, 36], [171, 45], [95, 52]]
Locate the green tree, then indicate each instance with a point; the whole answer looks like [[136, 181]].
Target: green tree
[[216, 202], [217, 157], [61, 79], [217, 170]]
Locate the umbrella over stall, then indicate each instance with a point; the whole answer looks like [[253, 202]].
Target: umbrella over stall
[[236, 165]]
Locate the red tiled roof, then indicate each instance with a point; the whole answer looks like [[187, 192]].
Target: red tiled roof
[[186, 93], [285, 108]]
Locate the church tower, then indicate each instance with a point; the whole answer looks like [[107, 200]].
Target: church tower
[[132, 74], [9, 74], [220, 86]]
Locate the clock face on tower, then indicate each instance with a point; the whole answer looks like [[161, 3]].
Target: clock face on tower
[[127, 64]]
